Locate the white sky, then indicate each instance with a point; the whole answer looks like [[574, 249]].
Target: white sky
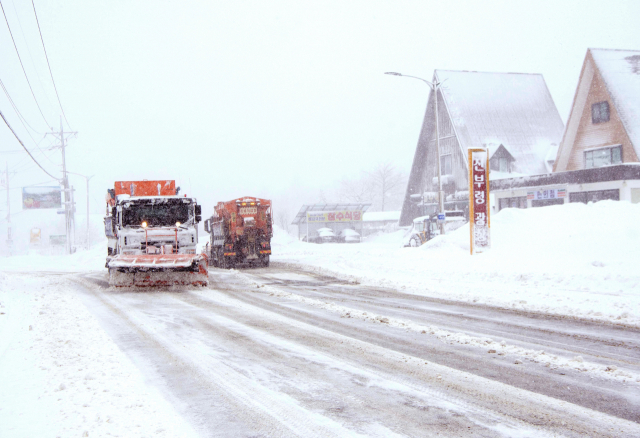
[[274, 99]]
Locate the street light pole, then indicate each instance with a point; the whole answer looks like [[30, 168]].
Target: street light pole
[[434, 86], [9, 237], [87, 178]]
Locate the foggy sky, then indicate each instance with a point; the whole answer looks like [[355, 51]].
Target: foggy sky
[[273, 99]]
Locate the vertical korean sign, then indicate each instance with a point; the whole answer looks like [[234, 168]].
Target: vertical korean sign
[[479, 223]]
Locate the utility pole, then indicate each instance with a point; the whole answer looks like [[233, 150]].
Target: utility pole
[[435, 85], [88, 243], [9, 237], [69, 205], [87, 178]]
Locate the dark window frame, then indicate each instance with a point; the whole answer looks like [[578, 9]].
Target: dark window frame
[[536, 203], [443, 162], [512, 202], [600, 112], [595, 196], [588, 156], [507, 167]]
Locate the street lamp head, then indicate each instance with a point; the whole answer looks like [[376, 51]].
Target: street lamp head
[[393, 73]]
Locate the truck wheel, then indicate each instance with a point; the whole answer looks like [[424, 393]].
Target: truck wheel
[[414, 242], [265, 261]]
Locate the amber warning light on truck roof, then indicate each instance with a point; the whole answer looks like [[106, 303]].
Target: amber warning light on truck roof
[[146, 188]]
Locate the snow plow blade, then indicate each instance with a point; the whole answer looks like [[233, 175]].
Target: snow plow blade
[[157, 270]]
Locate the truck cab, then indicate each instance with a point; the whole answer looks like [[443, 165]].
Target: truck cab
[[152, 235], [153, 225]]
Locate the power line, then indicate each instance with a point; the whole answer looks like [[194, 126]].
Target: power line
[[6, 92], [28, 165], [17, 151], [49, 65], [30, 185], [23, 121], [26, 44], [22, 65], [25, 148]]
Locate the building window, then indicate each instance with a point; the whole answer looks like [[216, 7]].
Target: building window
[[515, 202], [603, 157], [595, 196], [546, 202], [504, 165], [600, 112], [445, 165]]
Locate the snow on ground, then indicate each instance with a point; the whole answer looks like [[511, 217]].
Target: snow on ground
[[501, 348], [49, 259], [62, 375], [574, 260]]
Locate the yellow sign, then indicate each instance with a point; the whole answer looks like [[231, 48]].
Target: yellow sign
[[335, 216]]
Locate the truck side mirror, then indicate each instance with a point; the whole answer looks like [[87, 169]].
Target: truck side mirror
[[198, 218], [198, 210], [207, 227]]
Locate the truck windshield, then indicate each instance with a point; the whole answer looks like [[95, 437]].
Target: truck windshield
[[155, 215]]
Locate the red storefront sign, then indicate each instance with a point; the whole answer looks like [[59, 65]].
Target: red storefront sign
[[334, 216], [479, 221]]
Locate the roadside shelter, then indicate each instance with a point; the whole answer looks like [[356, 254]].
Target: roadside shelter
[[338, 217]]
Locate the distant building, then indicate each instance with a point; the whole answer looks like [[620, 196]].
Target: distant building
[[604, 124], [337, 217], [511, 114], [380, 222], [598, 156]]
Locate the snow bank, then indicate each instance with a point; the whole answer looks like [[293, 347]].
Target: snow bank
[[574, 260], [62, 375], [55, 260]]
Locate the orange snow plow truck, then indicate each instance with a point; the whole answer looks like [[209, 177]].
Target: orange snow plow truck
[[152, 235], [240, 233]]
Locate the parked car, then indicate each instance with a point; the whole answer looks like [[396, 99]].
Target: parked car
[[326, 235], [349, 236], [426, 228]]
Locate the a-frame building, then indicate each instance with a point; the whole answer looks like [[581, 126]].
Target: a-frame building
[[477, 109], [604, 124]]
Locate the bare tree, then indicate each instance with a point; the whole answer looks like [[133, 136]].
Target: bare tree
[[388, 183], [322, 197], [356, 190], [282, 219]]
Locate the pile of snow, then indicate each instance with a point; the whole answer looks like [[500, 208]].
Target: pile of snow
[[63, 376], [575, 260], [55, 260]]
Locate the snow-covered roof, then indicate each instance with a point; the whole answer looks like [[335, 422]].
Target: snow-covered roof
[[620, 70], [379, 216], [495, 175], [512, 109]]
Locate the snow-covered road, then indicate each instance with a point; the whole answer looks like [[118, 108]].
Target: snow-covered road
[[538, 337], [275, 352]]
